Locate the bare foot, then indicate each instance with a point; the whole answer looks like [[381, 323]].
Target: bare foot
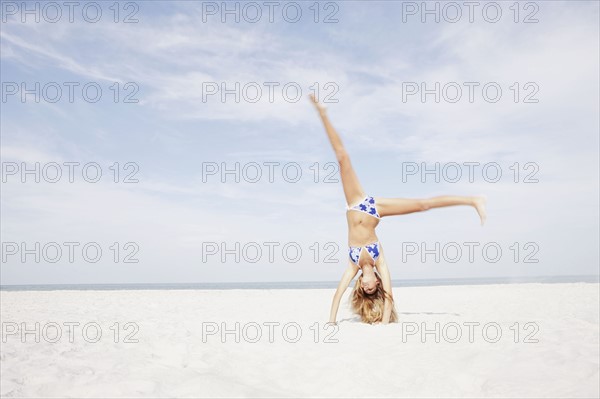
[[479, 204]]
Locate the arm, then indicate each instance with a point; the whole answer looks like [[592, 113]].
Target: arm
[[387, 287], [347, 277]]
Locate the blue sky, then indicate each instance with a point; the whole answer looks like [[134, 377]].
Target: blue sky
[[369, 55]]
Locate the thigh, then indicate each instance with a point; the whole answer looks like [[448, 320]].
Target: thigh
[[352, 187], [397, 206]]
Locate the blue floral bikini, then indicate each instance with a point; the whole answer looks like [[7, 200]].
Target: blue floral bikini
[[367, 206]]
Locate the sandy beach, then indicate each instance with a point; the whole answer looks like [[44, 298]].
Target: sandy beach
[[514, 340]]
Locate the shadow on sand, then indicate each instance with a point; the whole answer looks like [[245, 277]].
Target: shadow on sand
[[356, 319]]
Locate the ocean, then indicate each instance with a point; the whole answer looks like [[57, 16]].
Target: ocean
[[300, 284]]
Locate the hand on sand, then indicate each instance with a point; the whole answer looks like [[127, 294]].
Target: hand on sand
[[479, 203], [317, 105]]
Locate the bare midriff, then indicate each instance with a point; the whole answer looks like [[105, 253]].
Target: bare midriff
[[361, 228]]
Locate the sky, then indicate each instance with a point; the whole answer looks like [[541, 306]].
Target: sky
[[136, 117]]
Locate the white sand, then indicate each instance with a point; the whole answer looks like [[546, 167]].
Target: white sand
[[171, 360]]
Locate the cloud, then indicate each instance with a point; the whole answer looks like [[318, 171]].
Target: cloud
[[171, 132]]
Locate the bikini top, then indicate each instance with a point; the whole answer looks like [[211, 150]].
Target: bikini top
[[367, 206]]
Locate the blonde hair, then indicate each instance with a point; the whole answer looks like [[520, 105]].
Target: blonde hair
[[370, 306]]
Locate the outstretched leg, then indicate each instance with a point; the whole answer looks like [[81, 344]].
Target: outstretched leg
[[402, 206], [352, 188]]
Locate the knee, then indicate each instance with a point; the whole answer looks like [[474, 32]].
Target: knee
[[342, 157]]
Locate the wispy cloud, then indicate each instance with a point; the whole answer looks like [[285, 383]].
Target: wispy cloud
[[171, 132]]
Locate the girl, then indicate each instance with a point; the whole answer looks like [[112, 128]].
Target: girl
[[372, 297]]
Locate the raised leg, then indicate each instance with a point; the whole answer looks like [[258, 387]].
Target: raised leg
[[402, 206], [353, 191]]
